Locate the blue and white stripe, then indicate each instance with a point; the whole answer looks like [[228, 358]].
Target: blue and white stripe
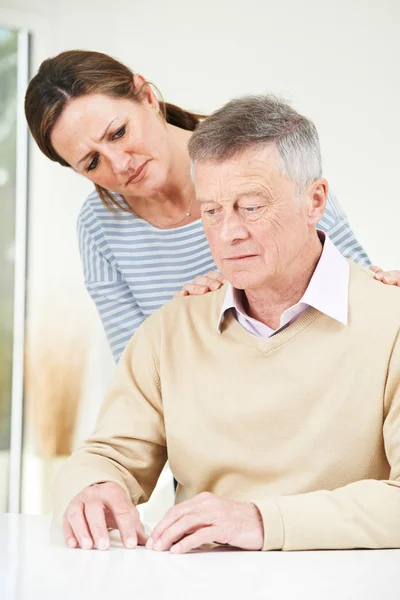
[[132, 268]]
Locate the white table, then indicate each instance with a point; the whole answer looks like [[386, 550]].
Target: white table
[[35, 565]]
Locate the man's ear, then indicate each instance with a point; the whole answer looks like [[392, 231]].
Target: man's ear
[[317, 195]]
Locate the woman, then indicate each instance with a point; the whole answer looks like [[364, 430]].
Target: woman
[[140, 233]]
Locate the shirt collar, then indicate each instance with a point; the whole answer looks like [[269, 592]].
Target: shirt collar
[[327, 291]]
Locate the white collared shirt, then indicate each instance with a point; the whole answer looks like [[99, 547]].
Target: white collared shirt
[[326, 292]]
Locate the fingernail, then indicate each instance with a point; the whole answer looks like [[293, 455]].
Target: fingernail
[[86, 544], [149, 543], [71, 542], [379, 276], [157, 546], [131, 543], [175, 549], [102, 544]]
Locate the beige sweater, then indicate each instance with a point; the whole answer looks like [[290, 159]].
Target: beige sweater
[[305, 424]]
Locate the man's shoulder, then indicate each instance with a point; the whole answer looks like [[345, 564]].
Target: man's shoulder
[[377, 299], [187, 313]]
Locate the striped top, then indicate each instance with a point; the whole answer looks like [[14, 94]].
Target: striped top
[[132, 268]]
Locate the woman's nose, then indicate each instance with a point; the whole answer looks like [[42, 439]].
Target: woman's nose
[[120, 163]]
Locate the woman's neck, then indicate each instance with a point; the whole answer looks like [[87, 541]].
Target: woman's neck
[[175, 205]]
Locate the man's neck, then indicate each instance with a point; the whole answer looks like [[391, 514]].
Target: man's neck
[[269, 303]]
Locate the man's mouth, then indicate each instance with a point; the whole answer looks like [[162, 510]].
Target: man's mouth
[[240, 257]]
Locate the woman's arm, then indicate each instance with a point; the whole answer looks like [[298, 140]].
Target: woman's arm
[[336, 225], [119, 312]]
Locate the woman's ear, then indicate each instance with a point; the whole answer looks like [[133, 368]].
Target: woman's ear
[[317, 195], [143, 87]]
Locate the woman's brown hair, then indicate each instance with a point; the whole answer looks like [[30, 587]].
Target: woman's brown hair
[[76, 73]]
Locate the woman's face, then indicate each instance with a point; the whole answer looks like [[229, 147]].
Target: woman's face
[[121, 145]]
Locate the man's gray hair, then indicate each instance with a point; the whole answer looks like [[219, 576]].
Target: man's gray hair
[[253, 121]]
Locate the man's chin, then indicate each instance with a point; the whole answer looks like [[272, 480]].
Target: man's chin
[[243, 281]]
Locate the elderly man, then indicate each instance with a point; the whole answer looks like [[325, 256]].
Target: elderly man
[[275, 398]]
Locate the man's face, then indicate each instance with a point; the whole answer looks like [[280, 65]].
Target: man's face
[[256, 222]]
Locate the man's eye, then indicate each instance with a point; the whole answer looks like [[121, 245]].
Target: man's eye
[[93, 164], [119, 133], [252, 208]]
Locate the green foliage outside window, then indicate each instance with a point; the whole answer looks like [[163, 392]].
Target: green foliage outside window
[[8, 89]]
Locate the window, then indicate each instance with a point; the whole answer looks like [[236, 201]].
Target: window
[[13, 144]]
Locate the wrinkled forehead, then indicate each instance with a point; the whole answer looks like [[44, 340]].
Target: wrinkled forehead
[[83, 121], [260, 166]]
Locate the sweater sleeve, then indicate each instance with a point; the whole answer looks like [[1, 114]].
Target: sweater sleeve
[[119, 312], [336, 224], [363, 514], [128, 445]]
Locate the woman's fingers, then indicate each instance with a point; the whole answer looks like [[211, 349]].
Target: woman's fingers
[[375, 269], [215, 275], [212, 280], [388, 277], [192, 289], [202, 284]]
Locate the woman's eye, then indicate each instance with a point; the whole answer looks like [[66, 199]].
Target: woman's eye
[[93, 164], [211, 211], [119, 133]]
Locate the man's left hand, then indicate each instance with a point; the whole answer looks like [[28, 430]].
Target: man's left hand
[[388, 277], [205, 519]]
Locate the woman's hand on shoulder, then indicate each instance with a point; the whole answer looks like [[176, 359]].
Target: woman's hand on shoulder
[[202, 284], [388, 277]]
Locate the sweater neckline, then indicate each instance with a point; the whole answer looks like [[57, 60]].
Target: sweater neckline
[[274, 341]]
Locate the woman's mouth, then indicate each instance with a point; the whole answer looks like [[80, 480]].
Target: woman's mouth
[[138, 174]]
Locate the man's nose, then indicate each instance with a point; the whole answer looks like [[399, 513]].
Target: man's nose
[[233, 228]]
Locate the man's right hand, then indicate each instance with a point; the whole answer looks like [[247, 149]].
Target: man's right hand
[[97, 508]]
